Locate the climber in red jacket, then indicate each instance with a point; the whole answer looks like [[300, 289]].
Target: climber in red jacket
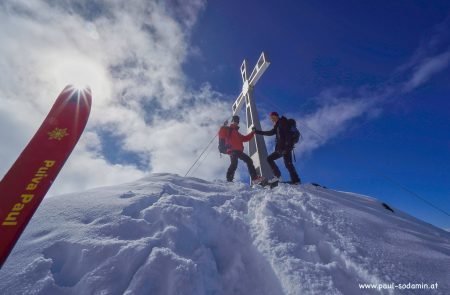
[[233, 143]]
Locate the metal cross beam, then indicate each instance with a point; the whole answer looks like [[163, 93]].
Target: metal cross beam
[[257, 146]]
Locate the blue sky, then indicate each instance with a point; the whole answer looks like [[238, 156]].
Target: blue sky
[[371, 77], [346, 46]]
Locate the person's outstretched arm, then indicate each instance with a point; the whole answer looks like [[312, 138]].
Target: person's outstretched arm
[[266, 133], [247, 137]]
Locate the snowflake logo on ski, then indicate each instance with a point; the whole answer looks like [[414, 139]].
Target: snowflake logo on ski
[[58, 133]]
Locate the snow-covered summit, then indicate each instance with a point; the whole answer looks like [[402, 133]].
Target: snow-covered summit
[[167, 234]]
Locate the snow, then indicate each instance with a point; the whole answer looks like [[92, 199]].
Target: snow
[[166, 234]]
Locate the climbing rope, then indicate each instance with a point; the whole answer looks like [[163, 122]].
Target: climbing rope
[[211, 141], [201, 161], [206, 148]]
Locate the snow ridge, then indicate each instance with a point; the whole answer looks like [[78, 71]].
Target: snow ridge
[[167, 234]]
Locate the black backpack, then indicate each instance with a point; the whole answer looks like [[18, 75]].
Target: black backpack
[[293, 133]]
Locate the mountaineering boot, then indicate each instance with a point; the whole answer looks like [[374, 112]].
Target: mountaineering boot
[[274, 179], [296, 181], [257, 180]]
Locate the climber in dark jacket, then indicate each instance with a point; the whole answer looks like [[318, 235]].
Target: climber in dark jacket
[[283, 148]]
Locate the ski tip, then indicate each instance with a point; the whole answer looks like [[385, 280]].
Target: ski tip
[[81, 95], [77, 87], [84, 90]]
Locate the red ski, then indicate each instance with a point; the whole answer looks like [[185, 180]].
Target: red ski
[[28, 180]]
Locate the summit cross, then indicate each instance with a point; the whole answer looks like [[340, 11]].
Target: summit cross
[[257, 146]]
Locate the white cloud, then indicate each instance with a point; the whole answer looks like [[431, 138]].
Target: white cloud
[[131, 54], [88, 168], [333, 117], [431, 57], [427, 68], [339, 108]]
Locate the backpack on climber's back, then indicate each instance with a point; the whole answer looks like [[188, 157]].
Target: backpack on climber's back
[[224, 137], [293, 132]]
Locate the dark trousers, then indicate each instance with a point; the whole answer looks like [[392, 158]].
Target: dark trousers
[[287, 157], [234, 156]]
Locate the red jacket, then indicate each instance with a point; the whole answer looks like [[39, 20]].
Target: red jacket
[[236, 140]]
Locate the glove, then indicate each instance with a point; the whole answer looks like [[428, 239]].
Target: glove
[[225, 123], [253, 129]]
